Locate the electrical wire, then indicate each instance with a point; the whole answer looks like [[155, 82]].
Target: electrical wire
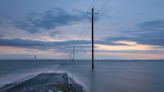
[[103, 5], [101, 8]]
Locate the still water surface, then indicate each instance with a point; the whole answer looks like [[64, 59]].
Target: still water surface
[[108, 76]]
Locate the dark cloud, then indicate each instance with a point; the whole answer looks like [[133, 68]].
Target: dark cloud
[[44, 45], [142, 39], [156, 25], [20, 43], [50, 45], [62, 46], [151, 32], [48, 20]]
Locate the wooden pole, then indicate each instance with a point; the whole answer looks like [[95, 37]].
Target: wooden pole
[[92, 38]]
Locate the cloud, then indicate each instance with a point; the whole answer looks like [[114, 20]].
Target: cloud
[[20, 42], [82, 45], [48, 20], [127, 46], [154, 32], [150, 32], [62, 46], [156, 25]]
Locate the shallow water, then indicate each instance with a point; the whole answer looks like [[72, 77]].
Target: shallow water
[[108, 76]]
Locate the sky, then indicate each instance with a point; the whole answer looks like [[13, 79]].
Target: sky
[[49, 29]]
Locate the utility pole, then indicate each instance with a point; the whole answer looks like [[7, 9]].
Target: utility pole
[[35, 57], [92, 13], [73, 54]]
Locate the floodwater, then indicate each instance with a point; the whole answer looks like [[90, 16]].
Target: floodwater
[[108, 75]]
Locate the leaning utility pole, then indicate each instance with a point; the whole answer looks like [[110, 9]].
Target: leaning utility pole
[[73, 53], [35, 57], [92, 12]]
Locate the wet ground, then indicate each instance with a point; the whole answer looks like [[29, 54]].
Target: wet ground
[[45, 82]]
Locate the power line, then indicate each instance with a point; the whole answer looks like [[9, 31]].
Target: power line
[[102, 6]]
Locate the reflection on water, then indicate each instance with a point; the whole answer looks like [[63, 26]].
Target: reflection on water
[[93, 81], [108, 76], [125, 76]]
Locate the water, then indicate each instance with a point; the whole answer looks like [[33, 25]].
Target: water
[[108, 76]]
